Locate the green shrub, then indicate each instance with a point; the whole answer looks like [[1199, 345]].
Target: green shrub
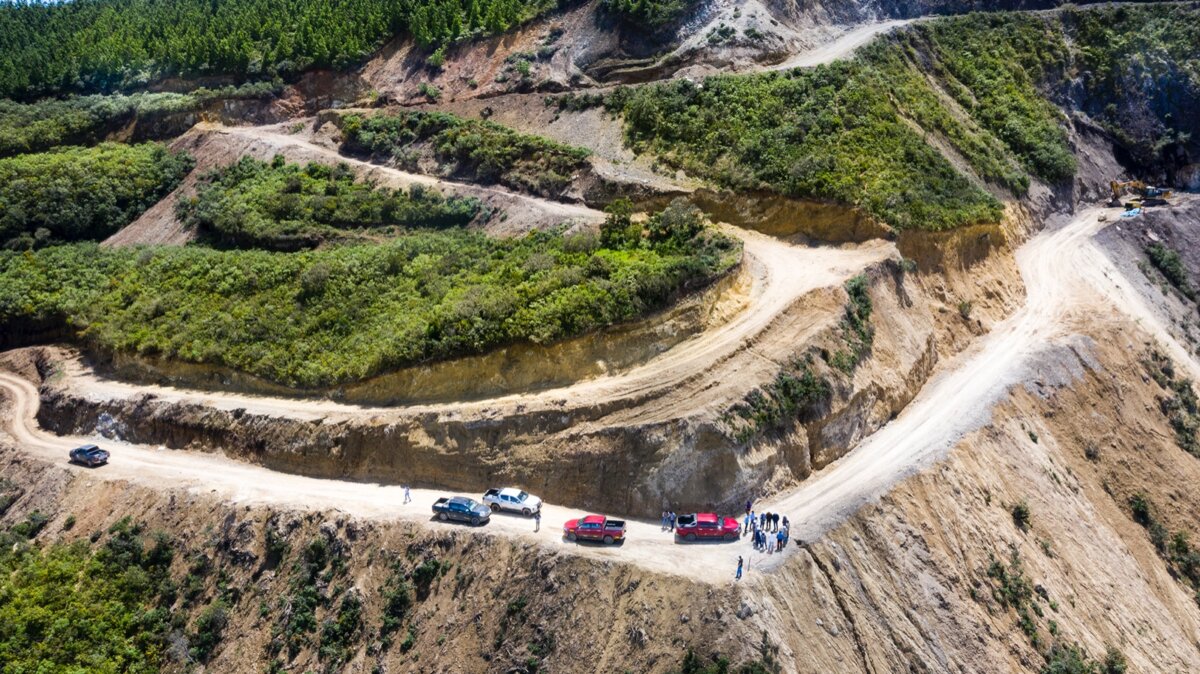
[[1168, 262], [79, 194], [342, 632], [67, 608], [209, 627], [1021, 515], [31, 526], [286, 206], [475, 150], [325, 317], [793, 396], [856, 328]]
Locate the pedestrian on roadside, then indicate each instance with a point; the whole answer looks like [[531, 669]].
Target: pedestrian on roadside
[[786, 525], [779, 542], [537, 520], [775, 521], [663, 521], [672, 520], [746, 523], [762, 519], [407, 494], [748, 508], [739, 571]]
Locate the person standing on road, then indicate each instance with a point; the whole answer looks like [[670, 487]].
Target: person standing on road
[[672, 520], [537, 520], [749, 519], [775, 521], [407, 494], [739, 571], [779, 542], [749, 505], [663, 521]]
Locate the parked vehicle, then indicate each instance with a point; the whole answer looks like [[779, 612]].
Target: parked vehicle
[[706, 526], [461, 509], [595, 528], [89, 455], [512, 500]]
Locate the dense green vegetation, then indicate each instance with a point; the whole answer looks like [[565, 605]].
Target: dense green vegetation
[[109, 45], [857, 131], [831, 132], [982, 86], [85, 120], [1143, 78], [652, 14], [78, 194], [995, 66], [284, 206], [336, 315], [478, 151], [67, 608]]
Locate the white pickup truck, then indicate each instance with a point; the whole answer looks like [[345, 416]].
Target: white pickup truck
[[512, 500]]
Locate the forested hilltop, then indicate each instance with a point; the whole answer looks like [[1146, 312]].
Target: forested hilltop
[[87, 46]]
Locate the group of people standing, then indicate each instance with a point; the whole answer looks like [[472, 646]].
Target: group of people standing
[[758, 526]]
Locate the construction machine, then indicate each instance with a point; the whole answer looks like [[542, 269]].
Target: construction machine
[[1143, 194]]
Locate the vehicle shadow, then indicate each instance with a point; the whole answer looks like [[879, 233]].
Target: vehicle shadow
[[439, 520], [708, 541], [594, 544]]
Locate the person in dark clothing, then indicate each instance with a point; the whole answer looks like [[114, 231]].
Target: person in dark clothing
[[739, 571], [762, 520], [775, 521], [748, 506]]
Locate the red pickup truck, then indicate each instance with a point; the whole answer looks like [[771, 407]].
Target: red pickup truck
[[595, 528], [706, 525]]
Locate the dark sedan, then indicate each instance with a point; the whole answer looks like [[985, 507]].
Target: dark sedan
[[89, 455]]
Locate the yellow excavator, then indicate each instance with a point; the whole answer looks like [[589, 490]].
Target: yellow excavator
[[1142, 194]]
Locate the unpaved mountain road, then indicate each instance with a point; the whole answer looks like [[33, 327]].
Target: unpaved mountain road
[[1068, 279], [840, 47], [696, 372]]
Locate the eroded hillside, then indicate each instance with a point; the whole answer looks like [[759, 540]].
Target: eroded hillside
[[847, 261]]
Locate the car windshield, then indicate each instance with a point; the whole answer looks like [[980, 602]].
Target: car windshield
[[522, 496]]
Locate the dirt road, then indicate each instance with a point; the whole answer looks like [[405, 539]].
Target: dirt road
[[696, 372], [1068, 279], [840, 47]]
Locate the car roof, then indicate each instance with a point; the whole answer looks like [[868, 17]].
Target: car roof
[[510, 491], [461, 499], [87, 448], [706, 517], [592, 519]]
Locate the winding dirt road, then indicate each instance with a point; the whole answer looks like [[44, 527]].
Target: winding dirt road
[[1068, 279]]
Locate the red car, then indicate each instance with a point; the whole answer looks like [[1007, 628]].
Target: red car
[[595, 528], [707, 526]]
